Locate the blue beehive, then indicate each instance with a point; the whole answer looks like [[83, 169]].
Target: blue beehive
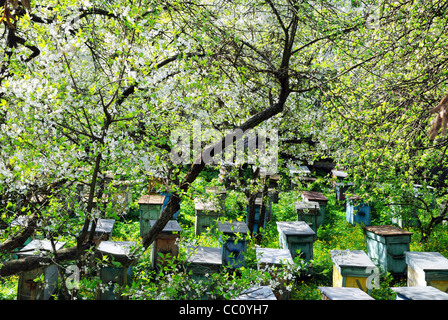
[[165, 203], [357, 211], [258, 203], [234, 244]]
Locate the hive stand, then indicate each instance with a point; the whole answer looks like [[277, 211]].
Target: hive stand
[[257, 293], [114, 278], [308, 211], [234, 244], [103, 230], [343, 293], [358, 211], [386, 246], [166, 245], [427, 269], [206, 215], [27, 287], [318, 197], [294, 236], [351, 268], [150, 208], [419, 293]]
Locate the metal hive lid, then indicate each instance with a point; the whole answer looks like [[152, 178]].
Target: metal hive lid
[[292, 228]]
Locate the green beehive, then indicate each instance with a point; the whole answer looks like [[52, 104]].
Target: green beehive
[[150, 208], [30, 289], [309, 211], [114, 278], [386, 246], [314, 196], [203, 260], [206, 215], [427, 269], [296, 235]]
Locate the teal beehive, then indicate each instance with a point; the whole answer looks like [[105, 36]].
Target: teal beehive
[[358, 211], [314, 196], [309, 211], [386, 247], [27, 287], [115, 277], [296, 236]]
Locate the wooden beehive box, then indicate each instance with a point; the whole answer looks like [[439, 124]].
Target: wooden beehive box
[[258, 203], [427, 269], [351, 268], [308, 211], [114, 278], [273, 257], [300, 174], [386, 246], [234, 244], [150, 208], [103, 230], [203, 260], [420, 293], [206, 215], [166, 245], [318, 197], [343, 293], [220, 194], [279, 258], [294, 236], [358, 211], [27, 287], [257, 293]]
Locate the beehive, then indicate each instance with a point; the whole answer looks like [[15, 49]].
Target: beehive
[[233, 243], [203, 260], [296, 235], [343, 293], [257, 293], [27, 287], [341, 189], [427, 269], [420, 293], [220, 194], [386, 246], [114, 278], [300, 174], [309, 211], [318, 197], [206, 215], [351, 268], [150, 207], [258, 203], [166, 245], [103, 230], [358, 211]]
